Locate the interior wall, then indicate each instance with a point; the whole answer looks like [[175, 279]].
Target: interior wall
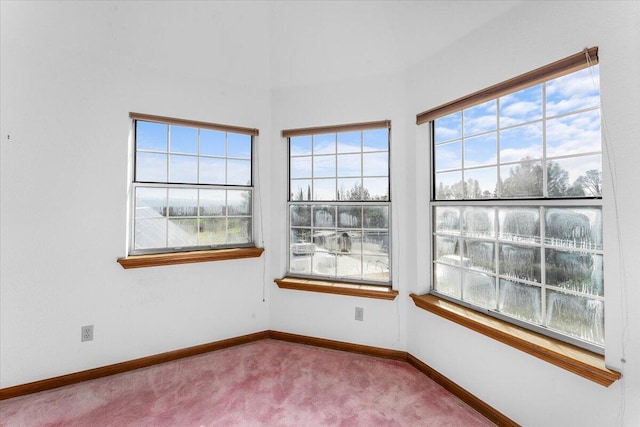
[[71, 73], [532, 392]]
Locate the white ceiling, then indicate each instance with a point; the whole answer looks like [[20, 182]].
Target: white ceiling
[[318, 41]]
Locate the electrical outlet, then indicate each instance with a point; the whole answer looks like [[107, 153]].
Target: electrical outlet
[[359, 313], [86, 333]]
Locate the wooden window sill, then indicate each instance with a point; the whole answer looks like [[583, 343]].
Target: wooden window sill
[[155, 260], [569, 357], [337, 287]]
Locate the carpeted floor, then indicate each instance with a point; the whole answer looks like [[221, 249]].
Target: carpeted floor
[[265, 383]]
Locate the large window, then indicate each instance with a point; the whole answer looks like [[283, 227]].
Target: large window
[[339, 203], [516, 201], [192, 185]]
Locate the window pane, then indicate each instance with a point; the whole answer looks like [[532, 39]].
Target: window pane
[[301, 251], [183, 169], [324, 263], [183, 202], [448, 156], [520, 143], [239, 230], [239, 146], [448, 127], [212, 171], [522, 106], [480, 150], [151, 167], [375, 268], [375, 243], [479, 222], [479, 289], [520, 301], [324, 144], [212, 203], [480, 118], [519, 224], [350, 189], [150, 202], [212, 231], [324, 216], [577, 271], [300, 189], [324, 189], [573, 92], [212, 143], [480, 256], [447, 250], [574, 134], [447, 280], [300, 145], [576, 316], [520, 262], [350, 216], [575, 177], [239, 172], [239, 202], [324, 166], [449, 186], [521, 180], [183, 139], [150, 233], [376, 217], [579, 228], [300, 216], [350, 165], [349, 266], [300, 167], [375, 164], [182, 232], [375, 189], [151, 136], [375, 140], [447, 220], [349, 142], [481, 183]]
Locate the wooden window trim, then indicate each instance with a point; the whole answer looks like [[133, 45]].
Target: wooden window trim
[[337, 287], [559, 68], [566, 356], [172, 258], [193, 123], [288, 133]]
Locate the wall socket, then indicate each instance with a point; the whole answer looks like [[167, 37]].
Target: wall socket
[[86, 333], [359, 313]]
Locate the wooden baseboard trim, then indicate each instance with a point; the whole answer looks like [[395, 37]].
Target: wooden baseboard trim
[[340, 345], [118, 368], [486, 410]]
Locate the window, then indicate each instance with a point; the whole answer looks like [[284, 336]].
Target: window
[[192, 186], [339, 203], [516, 210]]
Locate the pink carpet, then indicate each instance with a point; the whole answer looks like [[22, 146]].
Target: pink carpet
[[266, 383]]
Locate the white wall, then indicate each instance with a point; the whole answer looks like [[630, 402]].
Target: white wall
[[71, 73], [526, 389]]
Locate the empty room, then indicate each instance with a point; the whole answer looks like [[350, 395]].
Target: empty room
[[306, 213]]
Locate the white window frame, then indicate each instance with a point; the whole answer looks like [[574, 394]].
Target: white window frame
[[363, 204], [168, 186], [542, 203]]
